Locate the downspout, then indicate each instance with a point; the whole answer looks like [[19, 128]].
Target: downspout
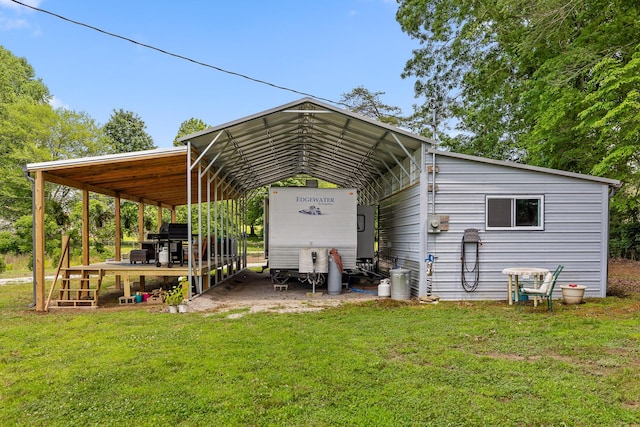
[[433, 159], [433, 182], [33, 233], [429, 258]]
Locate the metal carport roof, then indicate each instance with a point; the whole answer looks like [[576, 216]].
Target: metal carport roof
[[304, 137]]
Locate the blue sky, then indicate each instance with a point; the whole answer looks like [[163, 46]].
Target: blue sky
[[321, 47]]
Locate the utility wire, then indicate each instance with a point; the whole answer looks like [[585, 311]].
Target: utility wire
[[204, 64]]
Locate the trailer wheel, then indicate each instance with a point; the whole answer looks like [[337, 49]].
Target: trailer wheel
[[317, 278]]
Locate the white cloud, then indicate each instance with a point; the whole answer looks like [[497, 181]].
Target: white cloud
[[7, 24], [10, 19], [12, 5], [57, 103]]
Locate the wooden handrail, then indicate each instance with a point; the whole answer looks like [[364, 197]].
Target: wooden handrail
[[65, 250]]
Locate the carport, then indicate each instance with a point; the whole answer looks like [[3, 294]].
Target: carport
[[231, 162]]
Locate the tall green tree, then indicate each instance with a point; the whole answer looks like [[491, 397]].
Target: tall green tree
[[512, 75], [18, 80], [76, 134], [255, 210], [127, 132], [24, 128], [611, 115], [32, 131], [188, 127], [553, 83], [362, 101]]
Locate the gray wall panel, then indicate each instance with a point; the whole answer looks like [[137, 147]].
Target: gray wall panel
[[575, 229]]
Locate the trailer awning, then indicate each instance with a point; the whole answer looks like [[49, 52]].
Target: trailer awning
[[305, 137]]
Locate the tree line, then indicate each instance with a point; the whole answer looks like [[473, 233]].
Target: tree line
[[31, 131], [551, 83]]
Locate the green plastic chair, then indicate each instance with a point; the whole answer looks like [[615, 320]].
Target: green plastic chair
[[546, 289]]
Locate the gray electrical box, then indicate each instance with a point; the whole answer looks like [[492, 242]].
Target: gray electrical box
[[434, 223], [437, 223]]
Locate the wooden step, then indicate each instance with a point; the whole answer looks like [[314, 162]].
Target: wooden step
[[76, 303], [77, 291]]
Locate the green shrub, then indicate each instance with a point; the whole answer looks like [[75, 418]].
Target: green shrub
[[8, 242]]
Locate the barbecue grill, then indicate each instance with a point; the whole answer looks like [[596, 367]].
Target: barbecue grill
[[170, 236]]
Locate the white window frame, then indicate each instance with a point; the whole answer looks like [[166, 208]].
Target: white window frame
[[513, 198]]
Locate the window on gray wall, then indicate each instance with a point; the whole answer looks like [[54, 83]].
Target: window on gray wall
[[513, 212]]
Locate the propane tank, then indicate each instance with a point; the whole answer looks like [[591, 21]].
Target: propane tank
[[384, 288], [163, 256]]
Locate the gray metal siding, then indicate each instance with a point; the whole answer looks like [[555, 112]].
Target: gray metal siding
[[399, 223], [573, 235]]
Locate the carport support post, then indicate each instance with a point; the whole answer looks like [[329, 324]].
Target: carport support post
[[208, 245], [217, 233], [85, 226], [39, 240], [424, 215], [189, 230], [118, 248], [140, 223], [199, 286]]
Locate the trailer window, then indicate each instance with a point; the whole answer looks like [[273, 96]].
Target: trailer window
[[515, 212]]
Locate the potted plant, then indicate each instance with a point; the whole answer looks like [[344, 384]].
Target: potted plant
[[173, 298], [183, 284], [572, 293]]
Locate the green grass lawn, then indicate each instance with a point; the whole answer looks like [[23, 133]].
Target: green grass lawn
[[376, 364]]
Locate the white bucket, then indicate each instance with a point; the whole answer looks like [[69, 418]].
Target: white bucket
[[384, 288]]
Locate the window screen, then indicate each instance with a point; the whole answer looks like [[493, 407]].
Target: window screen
[[499, 212], [514, 212]]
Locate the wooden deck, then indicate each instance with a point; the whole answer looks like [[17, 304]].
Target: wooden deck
[[141, 269], [125, 270]]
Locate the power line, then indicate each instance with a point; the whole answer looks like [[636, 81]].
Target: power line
[[175, 55]]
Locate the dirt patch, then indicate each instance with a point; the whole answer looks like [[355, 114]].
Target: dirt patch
[[624, 277], [251, 292]]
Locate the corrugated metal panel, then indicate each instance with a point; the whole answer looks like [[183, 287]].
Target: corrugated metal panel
[[399, 223], [308, 137], [573, 228]]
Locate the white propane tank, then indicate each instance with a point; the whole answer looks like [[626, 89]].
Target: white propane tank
[[384, 288], [163, 255]]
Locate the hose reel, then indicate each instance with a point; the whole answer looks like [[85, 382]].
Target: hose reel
[[471, 236]]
